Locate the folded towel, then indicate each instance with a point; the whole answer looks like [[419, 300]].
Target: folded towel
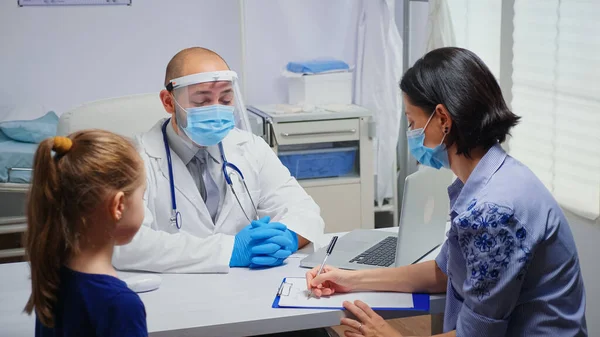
[[317, 66]]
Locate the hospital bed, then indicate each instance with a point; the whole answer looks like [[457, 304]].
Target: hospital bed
[[127, 116], [16, 160]]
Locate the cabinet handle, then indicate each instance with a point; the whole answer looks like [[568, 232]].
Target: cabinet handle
[[316, 133]]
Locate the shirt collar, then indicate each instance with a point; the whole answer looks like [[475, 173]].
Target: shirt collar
[[184, 149], [461, 194]]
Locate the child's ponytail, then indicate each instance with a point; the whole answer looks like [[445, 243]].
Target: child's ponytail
[[45, 237]]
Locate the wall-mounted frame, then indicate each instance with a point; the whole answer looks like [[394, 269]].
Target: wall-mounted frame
[[24, 3]]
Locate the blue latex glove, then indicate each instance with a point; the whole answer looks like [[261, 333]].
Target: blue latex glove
[[287, 239], [241, 255], [278, 243], [271, 240]]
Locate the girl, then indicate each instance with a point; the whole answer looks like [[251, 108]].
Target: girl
[[86, 197], [510, 265]]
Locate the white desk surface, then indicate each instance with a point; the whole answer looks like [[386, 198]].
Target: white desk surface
[[234, 304]]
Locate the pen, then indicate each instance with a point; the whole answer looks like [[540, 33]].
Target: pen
[[329, 250]]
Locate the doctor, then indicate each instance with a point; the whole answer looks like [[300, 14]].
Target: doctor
[[217, 196]]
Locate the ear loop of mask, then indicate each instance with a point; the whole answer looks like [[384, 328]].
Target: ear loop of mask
[[178, 115], [445, 132]]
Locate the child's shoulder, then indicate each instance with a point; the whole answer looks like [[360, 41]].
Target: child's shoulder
[[97, 282], [100, 290], [110, 305], [126, 298]]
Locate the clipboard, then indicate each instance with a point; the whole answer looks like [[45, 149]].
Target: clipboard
[[420, 301]]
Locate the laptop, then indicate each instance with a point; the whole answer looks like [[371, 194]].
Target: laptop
[[425, 209]]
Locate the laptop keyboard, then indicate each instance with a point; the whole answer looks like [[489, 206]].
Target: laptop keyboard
[[382, 254]]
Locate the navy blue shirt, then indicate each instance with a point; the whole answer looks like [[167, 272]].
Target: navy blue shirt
[[95, 305], [510, 257]]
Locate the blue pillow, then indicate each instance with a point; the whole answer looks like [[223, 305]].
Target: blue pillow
[[4, 138], [31, 131]]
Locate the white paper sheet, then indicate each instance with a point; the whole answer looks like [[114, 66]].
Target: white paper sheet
[[294, 294]]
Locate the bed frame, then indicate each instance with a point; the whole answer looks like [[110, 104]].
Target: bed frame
[[12, 216]]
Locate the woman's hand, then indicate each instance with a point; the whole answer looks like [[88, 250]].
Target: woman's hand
[[368, 323], [330, 281]]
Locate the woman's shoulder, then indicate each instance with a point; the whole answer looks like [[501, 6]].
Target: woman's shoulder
[[516, 181], [513, 199]]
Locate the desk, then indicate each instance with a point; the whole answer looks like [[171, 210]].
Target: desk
[[200, 304]]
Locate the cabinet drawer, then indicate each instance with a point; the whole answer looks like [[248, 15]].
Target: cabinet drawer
[[340, 206], [317, 131]]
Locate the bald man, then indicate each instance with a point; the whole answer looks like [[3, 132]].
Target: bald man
[[195, 222]]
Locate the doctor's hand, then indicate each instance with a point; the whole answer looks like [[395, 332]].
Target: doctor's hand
[[277, 233], [330, 281], [241, 255], [274, 243], [260, 245]]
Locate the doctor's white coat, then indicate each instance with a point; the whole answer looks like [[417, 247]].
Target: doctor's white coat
[[201, 246]]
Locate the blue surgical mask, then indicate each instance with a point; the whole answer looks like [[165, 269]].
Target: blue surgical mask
[[436, 157], [208, 125]]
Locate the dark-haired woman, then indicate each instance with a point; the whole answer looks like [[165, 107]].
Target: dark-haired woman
[[509, 266]]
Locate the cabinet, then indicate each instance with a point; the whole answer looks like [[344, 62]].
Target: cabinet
[[312, 138]]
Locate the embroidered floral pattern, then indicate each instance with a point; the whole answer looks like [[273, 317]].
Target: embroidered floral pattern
[[490, 240]]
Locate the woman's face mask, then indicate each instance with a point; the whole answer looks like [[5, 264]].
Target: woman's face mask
[[436, 157]]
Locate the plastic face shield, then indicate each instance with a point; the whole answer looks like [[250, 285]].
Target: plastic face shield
[[206, 89]]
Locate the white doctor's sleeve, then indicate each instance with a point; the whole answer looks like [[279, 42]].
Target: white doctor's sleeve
[[283, 199], [158, 251]]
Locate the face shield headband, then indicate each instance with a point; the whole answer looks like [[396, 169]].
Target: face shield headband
[[179, 88]]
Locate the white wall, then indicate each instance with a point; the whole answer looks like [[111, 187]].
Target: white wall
[[278, 32], [281, 31], [61, 57]]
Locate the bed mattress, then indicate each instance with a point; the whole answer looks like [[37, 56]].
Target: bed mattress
[[15, 154]]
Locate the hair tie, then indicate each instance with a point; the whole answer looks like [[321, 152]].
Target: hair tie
[[62, 145]]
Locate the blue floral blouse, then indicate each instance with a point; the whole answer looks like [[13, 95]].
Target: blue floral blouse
[[510, 257]]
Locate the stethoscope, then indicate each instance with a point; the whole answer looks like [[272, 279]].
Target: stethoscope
[[175, 218]]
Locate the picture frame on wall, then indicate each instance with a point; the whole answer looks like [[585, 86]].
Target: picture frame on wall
[[27, 3]]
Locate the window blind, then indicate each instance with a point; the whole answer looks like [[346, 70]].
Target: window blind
[[556, 91]]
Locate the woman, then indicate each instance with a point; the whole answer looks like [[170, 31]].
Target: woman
[[509, 266]]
